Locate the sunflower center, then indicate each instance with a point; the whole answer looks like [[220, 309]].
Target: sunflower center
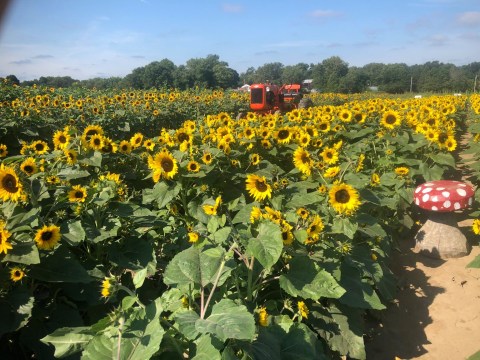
[[390, 119], [97, 142], [283, 134], [261, 186], [305, 158], [183, 137], [328, 155], [167, 165], [342, 196], [79, 194], [312, 228], [193, 166], [9, 183], [17, 273], [39, 147], [62, 139], [47, 235]]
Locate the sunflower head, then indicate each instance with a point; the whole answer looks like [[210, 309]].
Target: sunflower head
[[258, 187], [10, 185], [344, 199], [47, 237]]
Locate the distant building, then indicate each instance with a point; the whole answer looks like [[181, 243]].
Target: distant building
[[307, 84]]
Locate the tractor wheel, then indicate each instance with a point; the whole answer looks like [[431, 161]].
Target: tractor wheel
[[305, 103]]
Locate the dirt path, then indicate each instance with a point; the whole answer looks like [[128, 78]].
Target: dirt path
[[436, 315], [437, 311]]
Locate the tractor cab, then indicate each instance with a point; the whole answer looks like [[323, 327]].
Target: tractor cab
[[264, 97]]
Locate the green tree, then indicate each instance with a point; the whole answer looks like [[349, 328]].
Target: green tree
[[158, 74], [395, 78], [295, 74], [13, 79], [271, 72], [225, 77]]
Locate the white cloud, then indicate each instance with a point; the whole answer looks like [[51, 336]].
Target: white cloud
[[469, 18], [322, 14], [232, 8]]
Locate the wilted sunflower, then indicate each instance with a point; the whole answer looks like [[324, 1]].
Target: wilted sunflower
[[10, 185], [193, 166], [28, 166], [3, 150], [77, 194], [125, 147], [344, 199], [258, 187], [302, 161], [47, 237], [163, 165], [16, 274], [391, 119], [61, 139]]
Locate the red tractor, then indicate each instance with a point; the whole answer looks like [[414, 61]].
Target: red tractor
[[271, 98]]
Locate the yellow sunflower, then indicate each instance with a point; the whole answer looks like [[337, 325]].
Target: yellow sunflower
[[10, 185], [16, 274], [331, 172], [40, 147], [375, 179], [193, 237], [106, 287], [330, 155], [71, 156], [303, 213], [255, 214], [401, 171], [47, 237], [125, 147], [193, 166], [315, 227], [28, 166], [262, 316], [96, 142], [136, 140], [476, 226], [212, 209], [391, 119], [258, 187], [302, 161], [287, 235], [255, 159], [77, 194], [344, 198], [284, 135], [3, 150], [207, 158], [4, 243], [302, 309], [61, 139], [163, 165], [90, 131]]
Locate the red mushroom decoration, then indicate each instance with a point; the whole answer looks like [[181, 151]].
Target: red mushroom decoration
[[440, 236]]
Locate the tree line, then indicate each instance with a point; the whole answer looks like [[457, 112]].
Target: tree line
[[331, 75]]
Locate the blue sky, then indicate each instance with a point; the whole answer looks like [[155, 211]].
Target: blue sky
[[89, 38]]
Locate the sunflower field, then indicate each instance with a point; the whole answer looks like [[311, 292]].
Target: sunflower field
[[155, 224]]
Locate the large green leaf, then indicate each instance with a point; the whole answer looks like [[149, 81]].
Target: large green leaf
[[140, 339], [299, 343], [60, 266], [72, 232], [162, 193], [344, 226], [194, 266], [349, 339], [267, 246], [15, 309], [72, 174], [186, 323], [359, 294], [228, 320], [305, 279], [68, 340], [23, 252], [205, 349]]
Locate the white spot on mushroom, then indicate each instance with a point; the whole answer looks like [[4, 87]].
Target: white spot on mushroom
[[434, 198], [434, 208], [470, 201], [425, 197], [417, 190], [417, 201], [446, 194], [440, 188], [461, 192], [427, 190], [447, 204], [457, 206]]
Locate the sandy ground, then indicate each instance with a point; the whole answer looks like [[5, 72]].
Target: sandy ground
[[436, 314]]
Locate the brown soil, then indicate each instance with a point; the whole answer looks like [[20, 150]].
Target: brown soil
[[437, 311]]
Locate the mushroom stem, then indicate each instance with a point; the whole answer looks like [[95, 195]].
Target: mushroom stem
[[441, 238]]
